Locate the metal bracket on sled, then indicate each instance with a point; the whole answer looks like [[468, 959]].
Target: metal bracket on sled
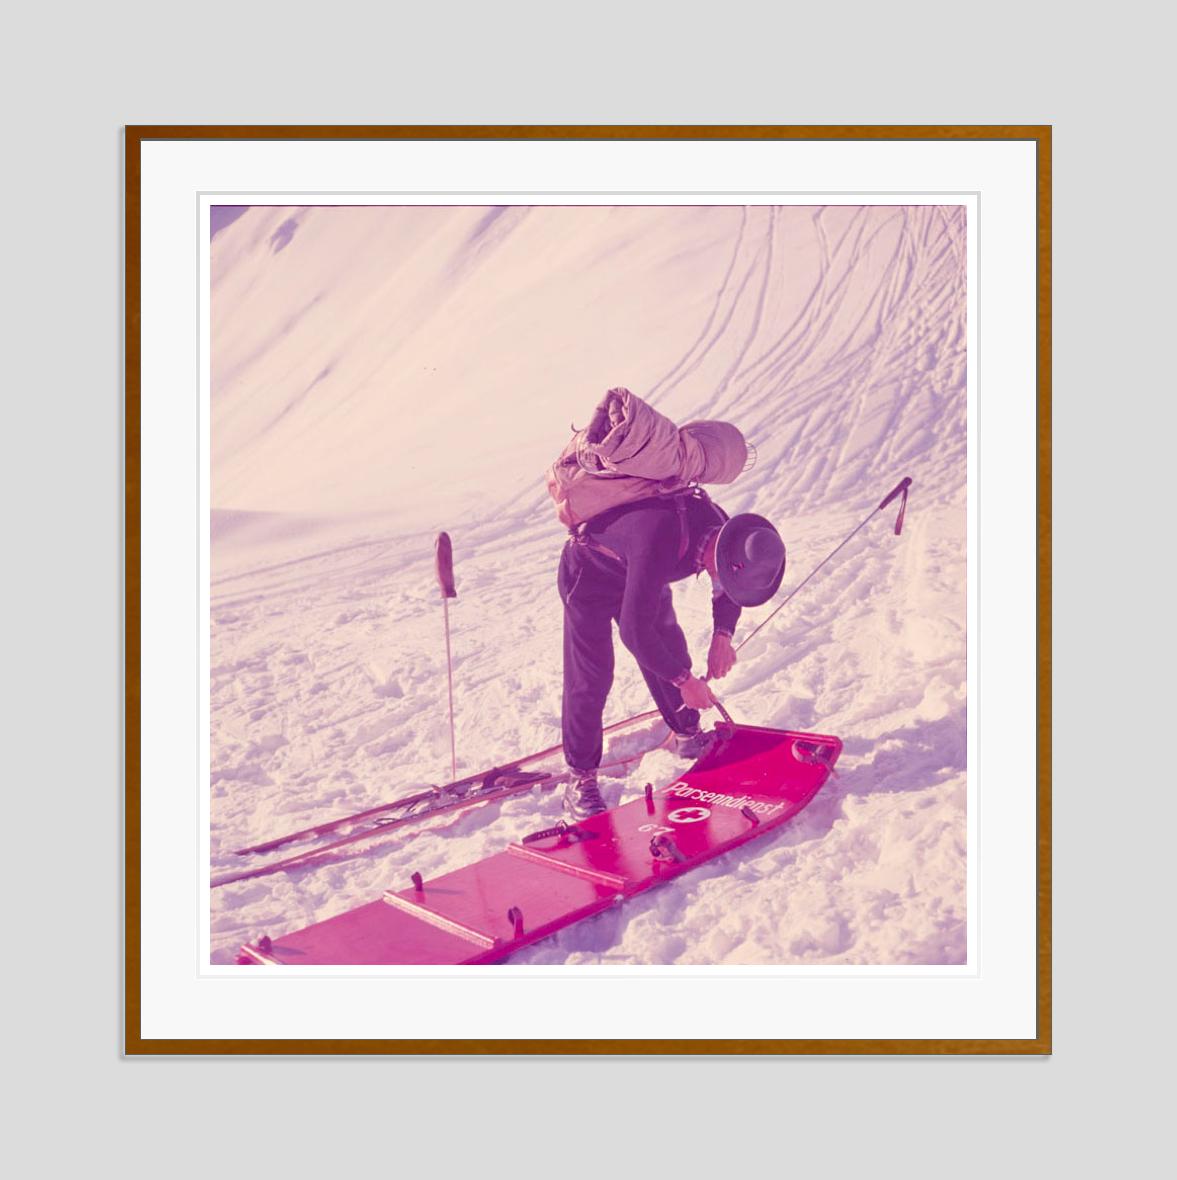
[[574, 834], [515, 917], [815, 754], [664, 848]]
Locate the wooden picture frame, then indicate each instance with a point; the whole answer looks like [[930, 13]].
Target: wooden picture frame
[[144, 1031]]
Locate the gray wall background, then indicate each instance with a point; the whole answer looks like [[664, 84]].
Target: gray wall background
[[75, 76]]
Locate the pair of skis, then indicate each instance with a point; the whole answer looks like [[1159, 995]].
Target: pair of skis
[[376, 823]]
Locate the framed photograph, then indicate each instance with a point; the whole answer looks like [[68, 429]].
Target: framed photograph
[[588, 590]]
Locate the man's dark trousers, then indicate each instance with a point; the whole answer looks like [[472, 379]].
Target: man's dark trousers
[[591, 586]]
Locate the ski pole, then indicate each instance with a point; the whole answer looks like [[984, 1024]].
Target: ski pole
[[901, 487], [445, 579]]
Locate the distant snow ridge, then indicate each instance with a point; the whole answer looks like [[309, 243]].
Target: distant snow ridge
[[382, 373]]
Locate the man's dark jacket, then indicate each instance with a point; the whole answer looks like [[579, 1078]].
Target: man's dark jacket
[[658, 541]]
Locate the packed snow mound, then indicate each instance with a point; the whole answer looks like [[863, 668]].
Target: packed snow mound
[[380, 374]]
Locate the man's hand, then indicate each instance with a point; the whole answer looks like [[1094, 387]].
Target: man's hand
[[721, 658], [696, 694]]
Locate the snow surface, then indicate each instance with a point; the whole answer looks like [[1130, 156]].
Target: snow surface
[[380, 374]]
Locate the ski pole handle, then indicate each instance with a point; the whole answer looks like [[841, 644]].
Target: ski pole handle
[[445, 579], [445, 566], [901, 486]]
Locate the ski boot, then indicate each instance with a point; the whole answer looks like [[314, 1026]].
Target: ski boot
[[693, 745], [582, 796]]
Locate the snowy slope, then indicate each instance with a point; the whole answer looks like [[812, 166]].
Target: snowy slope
[[380, 374]]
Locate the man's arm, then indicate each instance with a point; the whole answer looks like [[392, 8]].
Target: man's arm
[[644, 584], [725, 614], [722, 656]]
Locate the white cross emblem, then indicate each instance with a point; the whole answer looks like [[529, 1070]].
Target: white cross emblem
[[688, 815]]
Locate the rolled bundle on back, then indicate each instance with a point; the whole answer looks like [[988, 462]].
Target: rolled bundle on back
[[629, 451], [713, 452], [629, 437]]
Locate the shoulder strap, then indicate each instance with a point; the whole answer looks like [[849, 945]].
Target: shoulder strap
[[684, 532], [695, 492]]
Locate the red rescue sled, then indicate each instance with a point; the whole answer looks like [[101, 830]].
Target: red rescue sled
[[749, 783]]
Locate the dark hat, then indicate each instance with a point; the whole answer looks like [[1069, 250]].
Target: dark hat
[[749, 559]]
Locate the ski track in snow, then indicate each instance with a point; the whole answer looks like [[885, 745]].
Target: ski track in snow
[[834, 337]]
